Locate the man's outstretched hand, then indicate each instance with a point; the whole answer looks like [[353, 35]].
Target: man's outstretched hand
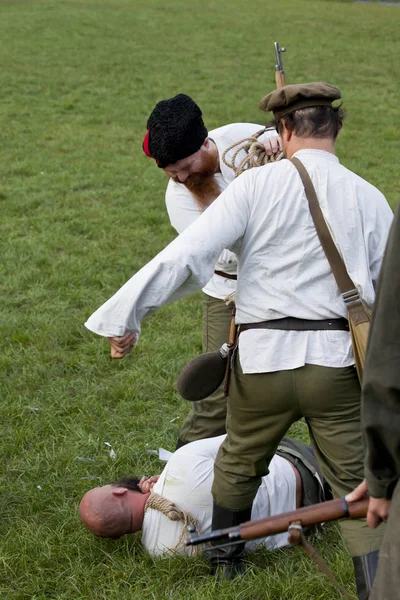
[[121, 346], [378, 508]]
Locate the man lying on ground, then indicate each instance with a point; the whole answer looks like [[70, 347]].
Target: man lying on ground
[[163, 506]]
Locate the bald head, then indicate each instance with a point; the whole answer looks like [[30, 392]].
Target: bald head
[[106, 511]]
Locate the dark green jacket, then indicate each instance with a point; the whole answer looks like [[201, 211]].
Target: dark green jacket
[[381, 383]]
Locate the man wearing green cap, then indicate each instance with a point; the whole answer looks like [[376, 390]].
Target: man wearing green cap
[[294, 354]]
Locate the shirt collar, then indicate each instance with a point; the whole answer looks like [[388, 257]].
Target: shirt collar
[[317, 153]]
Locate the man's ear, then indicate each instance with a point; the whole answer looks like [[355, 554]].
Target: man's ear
[[286, 133], [119, 491]]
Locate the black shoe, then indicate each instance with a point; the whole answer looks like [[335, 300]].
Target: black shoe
[[365, 569], [226, 563]]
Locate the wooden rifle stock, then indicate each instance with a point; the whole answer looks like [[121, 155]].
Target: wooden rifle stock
[[279, 79], [308, 515]]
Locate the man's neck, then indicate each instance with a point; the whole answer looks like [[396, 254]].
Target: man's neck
[[296, 144], [137, 502]]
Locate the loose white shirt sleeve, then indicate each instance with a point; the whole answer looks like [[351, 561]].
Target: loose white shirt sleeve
[[187, 479], [263, 217]]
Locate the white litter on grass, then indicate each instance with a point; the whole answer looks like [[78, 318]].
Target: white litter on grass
[[34, 409], [39, 487], [163, 454], [112, 453], [174, 419]]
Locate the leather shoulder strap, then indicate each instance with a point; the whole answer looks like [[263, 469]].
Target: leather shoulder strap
[[338, 267]]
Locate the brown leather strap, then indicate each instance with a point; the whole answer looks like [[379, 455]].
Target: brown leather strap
[[338, 267], [293, 324], [297, 538], [226, 275], [345, 284]]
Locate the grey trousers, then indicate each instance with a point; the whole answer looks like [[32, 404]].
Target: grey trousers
[[207, 417]]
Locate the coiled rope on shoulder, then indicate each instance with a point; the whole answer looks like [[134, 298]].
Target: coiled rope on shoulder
[[256, 154], [173, 513]]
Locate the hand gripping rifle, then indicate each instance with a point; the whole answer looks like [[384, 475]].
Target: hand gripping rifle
[[293, 522], [306, 516]]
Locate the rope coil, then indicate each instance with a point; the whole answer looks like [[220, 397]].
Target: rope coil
[[256, 154], [173, 513]]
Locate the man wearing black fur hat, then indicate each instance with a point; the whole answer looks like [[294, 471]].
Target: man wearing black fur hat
[[294, 356], [192, 158]]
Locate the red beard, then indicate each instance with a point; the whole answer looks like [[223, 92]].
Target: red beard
[[203, 186]]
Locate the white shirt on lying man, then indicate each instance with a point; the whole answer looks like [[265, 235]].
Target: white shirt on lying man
[[187, 479]]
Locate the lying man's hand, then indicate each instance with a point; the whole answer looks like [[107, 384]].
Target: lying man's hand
[[121, 346], [378, 508], [146, 483]]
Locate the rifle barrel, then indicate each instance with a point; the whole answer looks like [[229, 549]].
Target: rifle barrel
[[280, 79]]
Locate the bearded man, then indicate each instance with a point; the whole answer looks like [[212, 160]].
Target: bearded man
[[192, 159]]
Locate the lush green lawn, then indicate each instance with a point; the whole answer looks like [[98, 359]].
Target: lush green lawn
[[82, 209]]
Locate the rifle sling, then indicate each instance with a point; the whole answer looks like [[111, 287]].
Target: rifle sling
[[300, 540], [338, 267]]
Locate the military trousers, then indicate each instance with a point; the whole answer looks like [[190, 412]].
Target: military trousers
[[262, 407], [207, 417]]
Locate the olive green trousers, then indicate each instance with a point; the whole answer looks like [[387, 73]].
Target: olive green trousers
[[207, 417], [262, 407]]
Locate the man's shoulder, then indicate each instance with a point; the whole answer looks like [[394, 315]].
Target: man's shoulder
[[364, 187], [235, 131], [272, 170]]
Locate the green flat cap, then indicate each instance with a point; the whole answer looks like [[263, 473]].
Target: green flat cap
[[302, 95]]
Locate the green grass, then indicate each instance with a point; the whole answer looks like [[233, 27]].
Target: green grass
[[82, 209]]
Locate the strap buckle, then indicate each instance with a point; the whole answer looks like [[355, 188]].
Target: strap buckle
[[351, 297]]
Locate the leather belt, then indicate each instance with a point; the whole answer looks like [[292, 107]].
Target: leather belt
[[293, 324], [226, 275]]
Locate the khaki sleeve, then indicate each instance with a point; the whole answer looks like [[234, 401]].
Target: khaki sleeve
[[381, 383]]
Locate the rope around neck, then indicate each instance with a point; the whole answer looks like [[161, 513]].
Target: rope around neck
[[173, 513], [256, 155]]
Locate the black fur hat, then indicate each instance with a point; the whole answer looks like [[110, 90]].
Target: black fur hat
[[175, 130]]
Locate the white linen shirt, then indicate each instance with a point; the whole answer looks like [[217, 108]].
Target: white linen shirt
[[183, 209], [187, 479], [283, 272]]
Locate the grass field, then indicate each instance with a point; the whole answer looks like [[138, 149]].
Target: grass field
[[82, 209]]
